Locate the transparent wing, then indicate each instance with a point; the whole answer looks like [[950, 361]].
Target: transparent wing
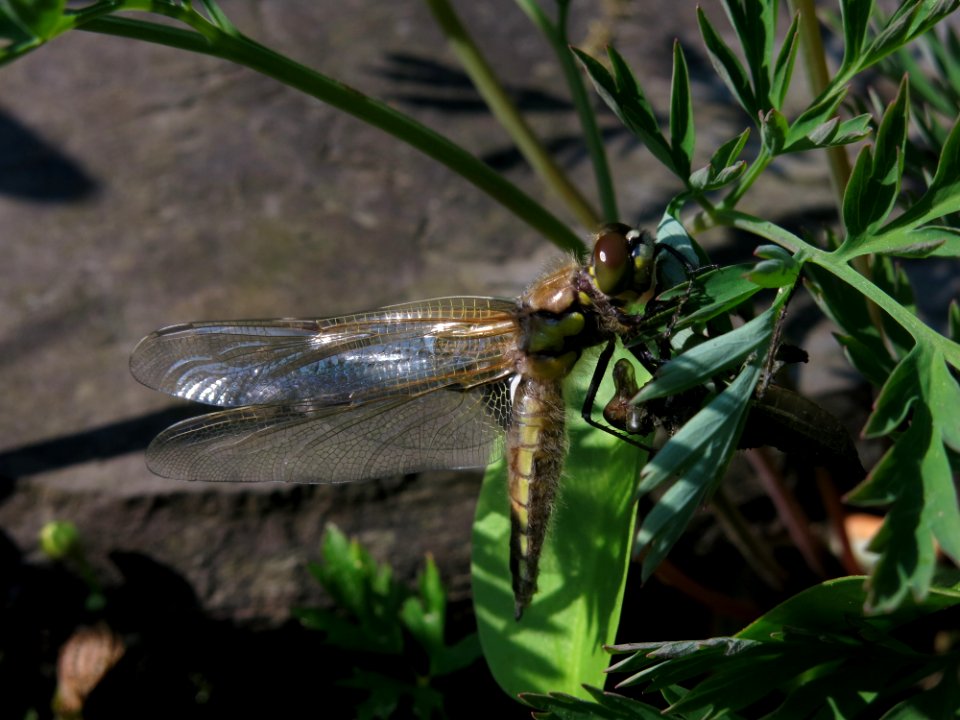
[[303, 442], [399, 350]]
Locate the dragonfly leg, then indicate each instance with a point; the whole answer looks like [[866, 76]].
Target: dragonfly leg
[[586, 412]]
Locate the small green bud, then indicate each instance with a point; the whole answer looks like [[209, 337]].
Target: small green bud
[[59, 539]]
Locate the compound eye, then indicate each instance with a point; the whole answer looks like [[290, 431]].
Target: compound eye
[[611, 260]]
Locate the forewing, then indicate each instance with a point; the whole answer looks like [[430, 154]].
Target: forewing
[[399, 350], [301, 442]]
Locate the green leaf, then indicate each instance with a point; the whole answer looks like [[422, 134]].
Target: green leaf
[[773, 131], [874, 185], [778, 269], [698, 454], [602, 706], [723, 167], [941, 198], [625, 97], [38, 18], [913, 476], [728, 67], [910, 20], [361, 588], [783, 68], [682, 135], [822, 111], [847, 308], [755, 22], [699, 365], [556, 646], [855, 18], [816, 655]]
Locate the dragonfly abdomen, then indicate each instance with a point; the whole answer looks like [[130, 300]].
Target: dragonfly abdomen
[[536, 446]]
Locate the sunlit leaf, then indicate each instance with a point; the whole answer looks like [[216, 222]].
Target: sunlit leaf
[[556, 645]]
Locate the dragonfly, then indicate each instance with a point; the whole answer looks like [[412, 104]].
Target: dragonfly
[[432, 384]]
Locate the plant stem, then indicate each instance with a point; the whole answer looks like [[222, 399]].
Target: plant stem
[[556, 34], [831, 262], [506, 112], [814, 60], [240, 49]]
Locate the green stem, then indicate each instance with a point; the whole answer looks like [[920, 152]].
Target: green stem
[[831, 262], [746, 181], [211, 40], [814, 60], [506, 112], [556, 35]]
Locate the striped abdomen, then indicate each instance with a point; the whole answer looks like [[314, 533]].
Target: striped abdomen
[[536, 447]]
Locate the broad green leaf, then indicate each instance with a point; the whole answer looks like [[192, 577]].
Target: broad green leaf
[[682, 135], [557, 644], [728, 67]]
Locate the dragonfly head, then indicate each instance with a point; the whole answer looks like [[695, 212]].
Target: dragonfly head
[[623, 261]]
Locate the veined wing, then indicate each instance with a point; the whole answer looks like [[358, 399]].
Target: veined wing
[[304, 442], [398, 350]]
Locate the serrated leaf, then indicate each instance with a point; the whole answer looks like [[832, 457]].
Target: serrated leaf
[[682, 135], [728, 67], [914, 476], [556, 646]]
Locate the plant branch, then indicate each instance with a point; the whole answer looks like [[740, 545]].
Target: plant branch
[[506, 112], [556, 34]]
